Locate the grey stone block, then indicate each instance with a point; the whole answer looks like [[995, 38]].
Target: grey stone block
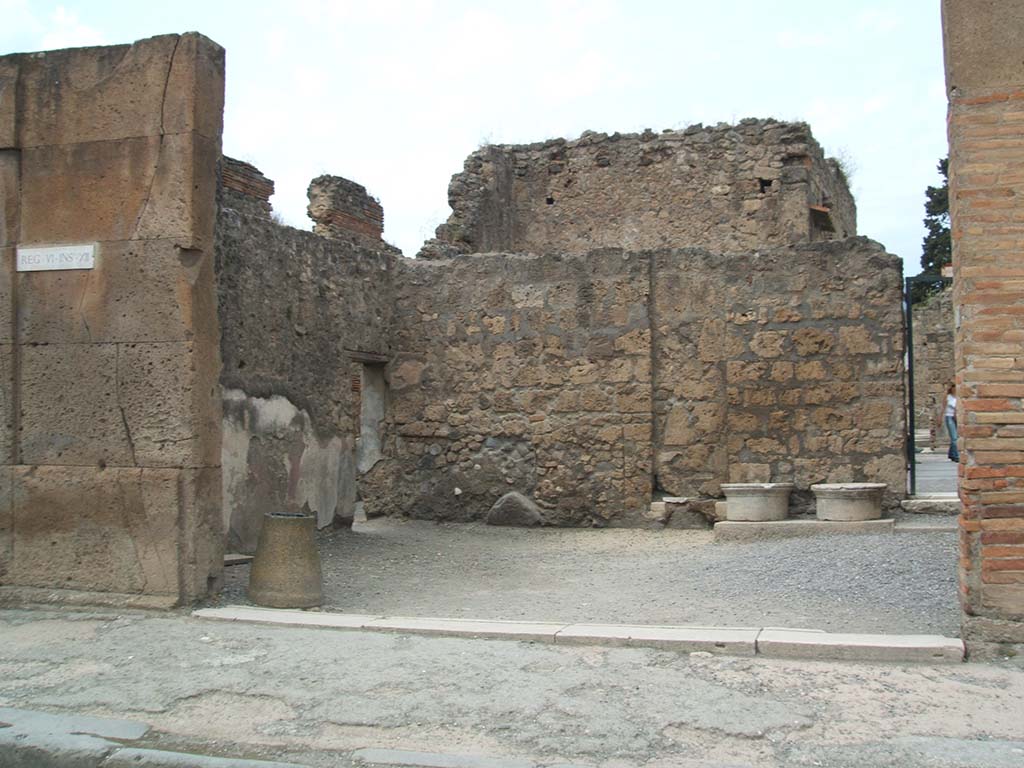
[[785, 529]]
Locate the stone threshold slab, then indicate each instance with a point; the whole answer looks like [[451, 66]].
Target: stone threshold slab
[[800, 644], [14, 596], [788, 529], [730, 641]]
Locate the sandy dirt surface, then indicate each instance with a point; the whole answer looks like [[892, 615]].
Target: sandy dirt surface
[[900, 583]]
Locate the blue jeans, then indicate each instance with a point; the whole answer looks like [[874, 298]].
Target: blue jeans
[[953, 454]]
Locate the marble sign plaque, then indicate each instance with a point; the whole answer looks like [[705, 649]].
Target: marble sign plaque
[[37, 259]]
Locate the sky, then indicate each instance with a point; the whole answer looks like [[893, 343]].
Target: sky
[[394, 94]]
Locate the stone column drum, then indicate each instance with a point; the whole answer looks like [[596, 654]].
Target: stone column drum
[[756, 502], [848, 502], [286, 570]]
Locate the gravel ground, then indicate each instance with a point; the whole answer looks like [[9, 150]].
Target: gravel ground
[[899, 583]]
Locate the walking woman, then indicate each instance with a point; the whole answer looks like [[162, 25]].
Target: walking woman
[[950, 418]]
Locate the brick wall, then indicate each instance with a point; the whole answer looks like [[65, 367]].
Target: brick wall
[[244, 188], [985, 82], [343, 210]]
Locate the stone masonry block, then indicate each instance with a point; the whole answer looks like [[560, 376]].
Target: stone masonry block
[[171, 401], [10, 195], [9, 67], [105, 530], [202, 553], [70, 412], [195, 88], [6, 520], [6, 295], [166, 84], [978, 36], [139, 291], [6, 404], [149, 187]]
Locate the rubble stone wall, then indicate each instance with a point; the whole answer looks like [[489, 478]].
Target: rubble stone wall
[[110, 426], [540, 374], [727, 188], [985, 83], [300, 314], [933, 362], [514, 372], [784, 365]]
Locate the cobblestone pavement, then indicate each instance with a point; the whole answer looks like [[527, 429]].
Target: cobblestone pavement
[[315, 697], [901, 583]]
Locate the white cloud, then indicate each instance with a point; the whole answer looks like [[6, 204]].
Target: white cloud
[[65, 30]]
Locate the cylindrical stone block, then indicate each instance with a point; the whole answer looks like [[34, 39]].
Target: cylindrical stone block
[[756, 502], [848, 502], [286, 569]]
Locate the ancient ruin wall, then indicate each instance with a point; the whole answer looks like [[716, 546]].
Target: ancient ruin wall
[[523, 373], [985, 82], [110, 425], [540, 374], [727, 188], [785, 365], [933, 362], [301, 315]]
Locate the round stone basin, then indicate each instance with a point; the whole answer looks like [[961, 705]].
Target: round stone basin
[[756, 502], [848, 502]]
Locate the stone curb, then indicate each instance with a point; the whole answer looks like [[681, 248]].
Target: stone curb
[[787, 529], [772, 642], [31, 739]]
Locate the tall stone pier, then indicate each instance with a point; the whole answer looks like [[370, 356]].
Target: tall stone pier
[[110, 429], [985, 83]]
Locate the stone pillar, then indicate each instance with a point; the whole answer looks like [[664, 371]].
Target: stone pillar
[[109, 341], [985, 83]]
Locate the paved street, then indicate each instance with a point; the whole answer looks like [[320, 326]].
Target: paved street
[[935, 473], [315, 697]]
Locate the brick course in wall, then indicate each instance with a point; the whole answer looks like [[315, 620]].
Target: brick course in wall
[[245, 187], [985, 80], [343, 210]]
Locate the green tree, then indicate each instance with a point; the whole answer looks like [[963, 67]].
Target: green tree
[[936, 249]]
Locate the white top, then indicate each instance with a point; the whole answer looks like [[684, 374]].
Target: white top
[[950, 406]]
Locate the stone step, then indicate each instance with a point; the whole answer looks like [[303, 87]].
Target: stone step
[[788, 529], [932, 505]]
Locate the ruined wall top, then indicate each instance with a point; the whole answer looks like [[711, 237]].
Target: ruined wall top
[[246, 187], [343, 209], [726, 187]]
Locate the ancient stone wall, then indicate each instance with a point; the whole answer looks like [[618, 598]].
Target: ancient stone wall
[[985, 83], [784, 365], [244, 188], [727, 188], [525, 373], [301, 315], [933, 361], [343, 210], [110, 426], [540, 374]]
